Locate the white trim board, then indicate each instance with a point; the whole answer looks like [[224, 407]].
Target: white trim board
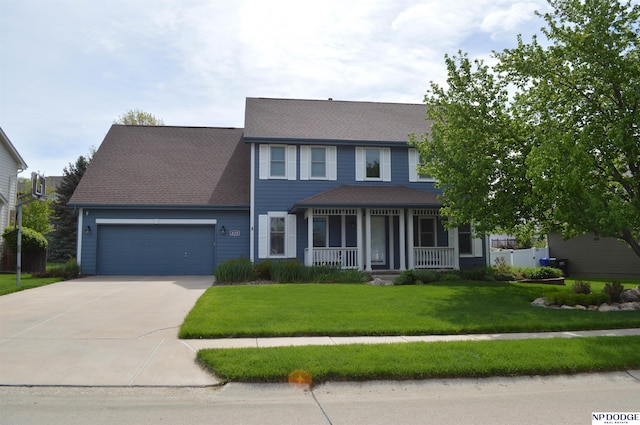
[[156, 221]]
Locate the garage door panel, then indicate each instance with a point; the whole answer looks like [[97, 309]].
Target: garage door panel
[[155, 250]]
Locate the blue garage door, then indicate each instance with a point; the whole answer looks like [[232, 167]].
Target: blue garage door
[[155, 250]]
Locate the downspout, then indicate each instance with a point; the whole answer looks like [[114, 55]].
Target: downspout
[[253, 205]]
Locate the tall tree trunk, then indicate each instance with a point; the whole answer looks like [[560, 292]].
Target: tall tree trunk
[[628, 238]]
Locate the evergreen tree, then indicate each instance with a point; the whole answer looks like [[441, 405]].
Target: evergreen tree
[[63, 240]]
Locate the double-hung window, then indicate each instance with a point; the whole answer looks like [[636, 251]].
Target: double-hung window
[[318, 163], [277, 162], [276, 235], [427, 231], [415, 162], [320, 232], [373, 164], [467, 244]]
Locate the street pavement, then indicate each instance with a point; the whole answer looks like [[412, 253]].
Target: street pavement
[[105, 350]]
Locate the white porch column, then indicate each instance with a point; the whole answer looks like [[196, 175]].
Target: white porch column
[[392, 253], [367, 239], [453, 243], [309, 215], [410, 236], [360, 242], [403, 242]]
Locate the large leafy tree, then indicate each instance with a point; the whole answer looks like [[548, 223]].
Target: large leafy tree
[[138, 117], [63, 240], [550, 134]]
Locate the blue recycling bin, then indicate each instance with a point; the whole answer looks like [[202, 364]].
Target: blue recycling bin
[[545, 262]]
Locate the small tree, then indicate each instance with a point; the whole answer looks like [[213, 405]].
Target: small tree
[[63, 240], [549, 135], [138, 117]]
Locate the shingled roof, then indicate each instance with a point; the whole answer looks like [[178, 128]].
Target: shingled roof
[[321, 120], [371, 196], [164, 165]]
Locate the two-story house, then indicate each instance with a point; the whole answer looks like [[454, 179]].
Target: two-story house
[[320, 181], [11, 163]]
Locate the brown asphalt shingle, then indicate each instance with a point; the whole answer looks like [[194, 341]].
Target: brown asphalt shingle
[[371, 196], [294, 119], [164, 165]]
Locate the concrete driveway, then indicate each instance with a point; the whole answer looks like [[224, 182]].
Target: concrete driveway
[[101, 331]]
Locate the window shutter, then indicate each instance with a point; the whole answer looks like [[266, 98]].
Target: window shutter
[[290, 229], [263, 236], [477, 247], [360, 164], [305, 155], [291, 162], [413, 165], [264, 162], [332, 163], [386, 164]]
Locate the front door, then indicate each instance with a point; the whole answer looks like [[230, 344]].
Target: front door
[[378, 241]]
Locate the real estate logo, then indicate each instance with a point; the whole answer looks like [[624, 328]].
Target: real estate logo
[[615, 418]]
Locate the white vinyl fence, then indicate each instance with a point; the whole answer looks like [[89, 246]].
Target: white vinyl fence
[[520, 257]]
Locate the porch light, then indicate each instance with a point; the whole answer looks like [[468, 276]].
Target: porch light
[[87, 230], [223, 231]]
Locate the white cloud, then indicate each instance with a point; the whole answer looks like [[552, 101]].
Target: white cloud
[[70, 68]]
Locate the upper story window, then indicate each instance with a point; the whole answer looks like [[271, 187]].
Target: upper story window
[[318, 163], [277, 162], [415, 161], [373, 164], [277, 165]]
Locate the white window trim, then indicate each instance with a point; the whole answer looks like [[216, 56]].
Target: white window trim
[[264, 237], [414, 163], [289, 159], [385, 166], [330, 163]]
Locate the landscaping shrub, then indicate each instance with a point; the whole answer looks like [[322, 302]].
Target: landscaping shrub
[[541, 273], [67, 271], [426, 276], [571, 299], [478, 273], [289, 271], [407, 277], [30, 240], [263, 270], [235, 270], [336, 275], [614, 290], [580, 287]]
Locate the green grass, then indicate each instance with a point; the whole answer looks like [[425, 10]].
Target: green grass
[[8, 282], [469, 359], [346, 310]]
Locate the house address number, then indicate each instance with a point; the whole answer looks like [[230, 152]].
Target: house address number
[[234, 232]]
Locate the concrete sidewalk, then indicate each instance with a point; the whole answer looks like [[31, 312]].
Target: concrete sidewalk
[[199, 344]]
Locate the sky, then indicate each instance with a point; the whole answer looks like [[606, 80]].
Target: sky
[[69, 68]]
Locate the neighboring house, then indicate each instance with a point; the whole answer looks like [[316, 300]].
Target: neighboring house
[[591, 257], [11, 163], [323, 182]]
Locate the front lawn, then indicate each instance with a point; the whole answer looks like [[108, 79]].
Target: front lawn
[[8, 282], [457, 307], [468, 359]]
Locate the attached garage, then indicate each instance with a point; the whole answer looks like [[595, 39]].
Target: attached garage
[[155, 247]]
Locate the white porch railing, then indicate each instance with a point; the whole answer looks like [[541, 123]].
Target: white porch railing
[[434, 258], [345, 258]]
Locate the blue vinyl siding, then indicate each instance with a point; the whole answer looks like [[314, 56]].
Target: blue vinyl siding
[[281, 195]]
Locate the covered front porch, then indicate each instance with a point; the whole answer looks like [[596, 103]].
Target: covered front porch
[[377, 228], [379, 238]]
